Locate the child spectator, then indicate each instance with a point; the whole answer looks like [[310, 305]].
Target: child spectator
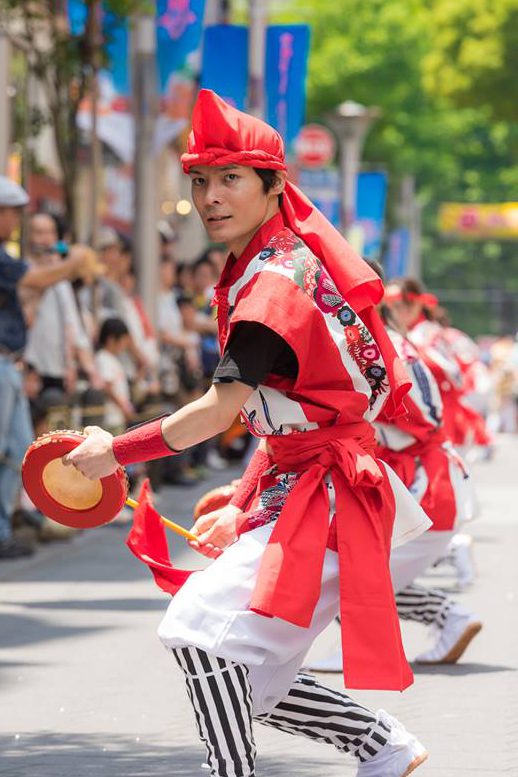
[[113, 340]]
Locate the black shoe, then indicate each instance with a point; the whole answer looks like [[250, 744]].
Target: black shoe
[[14, 549]]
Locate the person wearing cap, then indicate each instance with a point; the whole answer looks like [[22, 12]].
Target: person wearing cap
[[15, 425], [308, 363]]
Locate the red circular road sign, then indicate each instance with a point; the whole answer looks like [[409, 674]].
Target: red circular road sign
[[315, 146]]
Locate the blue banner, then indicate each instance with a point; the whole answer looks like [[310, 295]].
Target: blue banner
[[322, 187], [225, 63], [179, 29], [77, 13], [370, 211], [287, 51], [398, 254], [116, 36]]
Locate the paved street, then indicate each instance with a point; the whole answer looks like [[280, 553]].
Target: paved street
[[86, 688]]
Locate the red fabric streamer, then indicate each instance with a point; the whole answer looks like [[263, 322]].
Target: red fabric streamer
[[148, 542]]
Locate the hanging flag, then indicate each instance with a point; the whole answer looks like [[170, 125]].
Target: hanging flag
[[287, 51], [398, 254], [116, 43], [179, 29], [371, 199], [225, 63]]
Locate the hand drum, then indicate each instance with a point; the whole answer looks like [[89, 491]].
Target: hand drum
[[62, 492]]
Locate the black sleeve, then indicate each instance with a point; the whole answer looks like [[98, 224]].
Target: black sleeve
[[253, 352]]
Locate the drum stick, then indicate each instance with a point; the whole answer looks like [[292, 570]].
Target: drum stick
[[170, 524]]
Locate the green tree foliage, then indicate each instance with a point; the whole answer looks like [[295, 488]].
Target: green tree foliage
[[473, 57], [459, 147]]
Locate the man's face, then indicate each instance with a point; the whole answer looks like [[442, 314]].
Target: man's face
[[43, 234], [231, 202], [9, 221]]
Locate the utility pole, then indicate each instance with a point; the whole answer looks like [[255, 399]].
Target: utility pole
[[95, 38], [257, 16], [145, 236], [411, 218], [5, 108], [217, 12], [351, 122]]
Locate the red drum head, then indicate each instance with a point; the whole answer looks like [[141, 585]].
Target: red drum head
[[63, 493]]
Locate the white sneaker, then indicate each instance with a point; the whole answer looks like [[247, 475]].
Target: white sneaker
[[458, 631], [462, 560], [332, 663], [402, 754]]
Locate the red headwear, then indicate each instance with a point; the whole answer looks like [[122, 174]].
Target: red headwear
[[222, 135], [394, 294]]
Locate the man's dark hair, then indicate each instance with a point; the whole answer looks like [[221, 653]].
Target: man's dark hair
[[269, 179], [112, 327]]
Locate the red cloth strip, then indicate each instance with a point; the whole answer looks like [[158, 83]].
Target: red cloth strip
[[143, 443], [290, 575], [257, 466]]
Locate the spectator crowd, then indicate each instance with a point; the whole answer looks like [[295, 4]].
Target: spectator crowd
[[85, 352]]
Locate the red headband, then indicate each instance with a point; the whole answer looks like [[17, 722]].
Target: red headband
[[222, 135], [426, 299]]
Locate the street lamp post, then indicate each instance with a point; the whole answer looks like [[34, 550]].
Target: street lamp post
[[4, 102], [351, 122], [145, 111], [257, 14]]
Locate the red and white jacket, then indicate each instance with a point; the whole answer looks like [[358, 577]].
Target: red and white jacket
[[462, 424], [416, 447]]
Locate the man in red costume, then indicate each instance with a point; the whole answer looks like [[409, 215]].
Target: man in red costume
[[309, 365]]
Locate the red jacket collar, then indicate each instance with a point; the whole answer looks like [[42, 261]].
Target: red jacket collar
[[234, 268]]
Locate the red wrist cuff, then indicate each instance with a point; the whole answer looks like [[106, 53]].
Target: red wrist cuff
[[259, 463], [143, 443]]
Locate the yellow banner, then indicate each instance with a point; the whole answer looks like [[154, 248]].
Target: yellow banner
[[479, 222]]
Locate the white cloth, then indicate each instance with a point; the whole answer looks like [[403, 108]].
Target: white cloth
[[413, 559], [169, 316], [211, 611], [145, 343], [57, 323], [112, 372]]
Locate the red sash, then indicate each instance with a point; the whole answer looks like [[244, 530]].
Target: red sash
[[289, 579], [438, 501]]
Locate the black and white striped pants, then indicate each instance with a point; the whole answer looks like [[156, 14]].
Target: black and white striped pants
[[424, 605], [221, 696]]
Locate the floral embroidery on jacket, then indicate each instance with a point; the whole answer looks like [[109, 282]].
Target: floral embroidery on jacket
[[272, 500]]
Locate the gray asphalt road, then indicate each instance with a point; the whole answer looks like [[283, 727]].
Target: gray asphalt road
[[86, 688]]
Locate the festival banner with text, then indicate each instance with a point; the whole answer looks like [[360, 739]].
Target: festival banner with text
[[287, 51], [474, 221], [371, 199]]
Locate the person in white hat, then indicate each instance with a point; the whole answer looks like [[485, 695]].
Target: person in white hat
[[15, 423]]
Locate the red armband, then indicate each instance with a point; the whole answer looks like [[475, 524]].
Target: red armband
[[258, 464], [142, 443]]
